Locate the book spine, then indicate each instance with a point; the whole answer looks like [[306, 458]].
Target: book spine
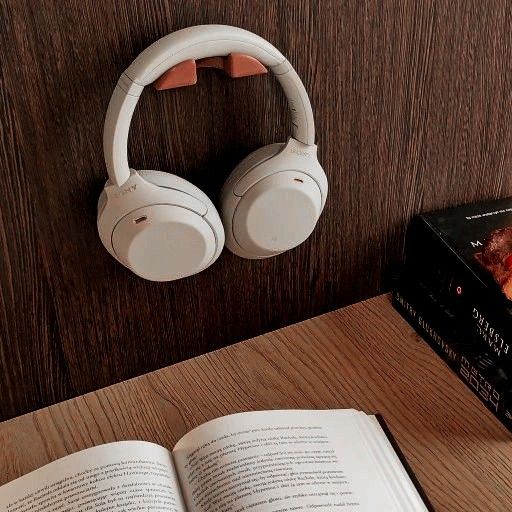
[[480, 372]]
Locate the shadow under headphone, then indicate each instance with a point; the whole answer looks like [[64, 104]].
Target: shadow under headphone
[[162, 227]]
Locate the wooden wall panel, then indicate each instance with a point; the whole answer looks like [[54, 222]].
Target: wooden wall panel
[[413, 108]]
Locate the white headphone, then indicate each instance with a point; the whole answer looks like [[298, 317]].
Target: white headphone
[[161, 226]]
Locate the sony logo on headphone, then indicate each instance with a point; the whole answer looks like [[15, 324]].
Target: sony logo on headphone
[[300, 152], [125, 191]]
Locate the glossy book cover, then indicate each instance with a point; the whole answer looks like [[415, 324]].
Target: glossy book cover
[[462, 257], [455, 289], [481, 234]]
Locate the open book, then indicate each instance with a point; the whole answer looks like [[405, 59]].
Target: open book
[[272, 461]]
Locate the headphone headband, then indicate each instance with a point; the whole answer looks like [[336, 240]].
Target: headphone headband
[[195, 43]]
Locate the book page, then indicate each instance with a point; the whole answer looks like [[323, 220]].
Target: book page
[[116, 477], [390, 466], [281, 461]]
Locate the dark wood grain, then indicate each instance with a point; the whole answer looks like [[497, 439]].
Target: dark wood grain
[[364, 357], [413, 112]]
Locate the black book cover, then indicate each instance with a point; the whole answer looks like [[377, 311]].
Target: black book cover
[[455, 289], [462, 259]]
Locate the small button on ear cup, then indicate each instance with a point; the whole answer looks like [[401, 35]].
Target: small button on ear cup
[[164, 242], [277, 213]]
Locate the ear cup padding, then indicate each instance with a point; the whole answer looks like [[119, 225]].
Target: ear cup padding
[[252, 160], [167, 180]]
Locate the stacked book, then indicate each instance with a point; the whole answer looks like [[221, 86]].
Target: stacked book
[[455, 289]]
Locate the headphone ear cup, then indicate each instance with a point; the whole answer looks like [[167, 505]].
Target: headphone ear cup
[[272, 200], [160, 226]]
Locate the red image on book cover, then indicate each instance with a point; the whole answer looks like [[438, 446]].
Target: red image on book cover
[[496, 258]]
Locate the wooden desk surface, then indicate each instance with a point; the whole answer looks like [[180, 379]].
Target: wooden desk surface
[[364, 356]]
